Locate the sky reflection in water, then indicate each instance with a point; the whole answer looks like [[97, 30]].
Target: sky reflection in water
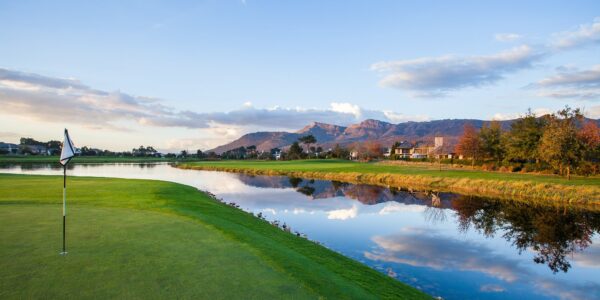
[[449, 245]]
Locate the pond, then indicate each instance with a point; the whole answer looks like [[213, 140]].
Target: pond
[[448, 245]]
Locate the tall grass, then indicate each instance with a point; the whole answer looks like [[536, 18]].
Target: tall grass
[[524, 190]]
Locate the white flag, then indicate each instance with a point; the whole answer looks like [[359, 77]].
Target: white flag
[[68, 149]]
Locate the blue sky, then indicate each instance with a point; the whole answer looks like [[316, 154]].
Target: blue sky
[[188, 75]]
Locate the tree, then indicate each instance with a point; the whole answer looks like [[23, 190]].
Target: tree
[[340, 152], [199, 154], [522, 141], [469, 144], [372, 150], [559, 145], [319, 150], [183, 153], [589, 136], [295, 151], [30, 142], [308, 140], [491, 141]]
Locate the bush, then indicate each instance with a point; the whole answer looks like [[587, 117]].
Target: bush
[[587, 169], [488, 167]]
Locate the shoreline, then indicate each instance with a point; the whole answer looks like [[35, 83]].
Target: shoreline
[[539, 193]]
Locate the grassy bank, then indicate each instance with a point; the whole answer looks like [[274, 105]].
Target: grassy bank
[[528, 187], [151, 239], [14, 159]]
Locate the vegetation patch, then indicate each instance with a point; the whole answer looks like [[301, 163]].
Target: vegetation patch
[[525, 187]]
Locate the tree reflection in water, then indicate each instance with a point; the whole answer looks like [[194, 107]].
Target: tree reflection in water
[[552, 233]]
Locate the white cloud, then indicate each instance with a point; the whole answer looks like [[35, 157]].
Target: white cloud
[[343, 214], [571, 83], [585, 34], [399, 118], [347, 108], [511, 116], [593, 112], [492, 288], [590, 258], [393, 207], [435, 76], [507, 37]]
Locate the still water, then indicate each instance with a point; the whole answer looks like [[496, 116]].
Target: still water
[[448, 245]]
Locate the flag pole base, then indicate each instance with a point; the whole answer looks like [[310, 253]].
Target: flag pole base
[[63, 253]]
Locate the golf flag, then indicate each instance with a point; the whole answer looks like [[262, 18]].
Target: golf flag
[[68, 150]]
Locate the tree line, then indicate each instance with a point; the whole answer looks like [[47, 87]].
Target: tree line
[[563, 142]]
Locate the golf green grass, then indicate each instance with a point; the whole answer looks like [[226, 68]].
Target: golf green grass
[[583, 190], [151, 239]]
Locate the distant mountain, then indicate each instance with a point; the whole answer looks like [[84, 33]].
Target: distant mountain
[[328, 135]]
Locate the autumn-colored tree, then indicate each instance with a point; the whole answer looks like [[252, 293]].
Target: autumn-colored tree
[[372, 149], [589, 136], [560, 146], [469, 144], [491, 141], [522, 141]]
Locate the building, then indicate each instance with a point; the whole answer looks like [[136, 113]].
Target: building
[[35, 149], [10, 149], [420, 149], [403, 149]]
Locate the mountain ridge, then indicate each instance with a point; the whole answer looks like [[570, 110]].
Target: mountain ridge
[[386, 133]]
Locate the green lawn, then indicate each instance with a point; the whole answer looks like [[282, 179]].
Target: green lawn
[[152, 239], [339, 166]]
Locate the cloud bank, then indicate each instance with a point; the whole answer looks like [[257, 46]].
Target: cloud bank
[[427, 248], [435, 76], [584, 35], [61, 100], [579, 84]]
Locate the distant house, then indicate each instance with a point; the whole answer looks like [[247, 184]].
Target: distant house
[[420, 149], [35, 149], [354, 154], [404, 149], [8, 148]]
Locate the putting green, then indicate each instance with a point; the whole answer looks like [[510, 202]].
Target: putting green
[[128, 253]]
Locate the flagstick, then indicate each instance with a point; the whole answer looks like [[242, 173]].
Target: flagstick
[[64, 249]]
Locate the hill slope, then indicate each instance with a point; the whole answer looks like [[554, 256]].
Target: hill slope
[[328, 135]]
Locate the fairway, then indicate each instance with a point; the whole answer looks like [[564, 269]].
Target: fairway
[[152, 239], [533, 187]]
